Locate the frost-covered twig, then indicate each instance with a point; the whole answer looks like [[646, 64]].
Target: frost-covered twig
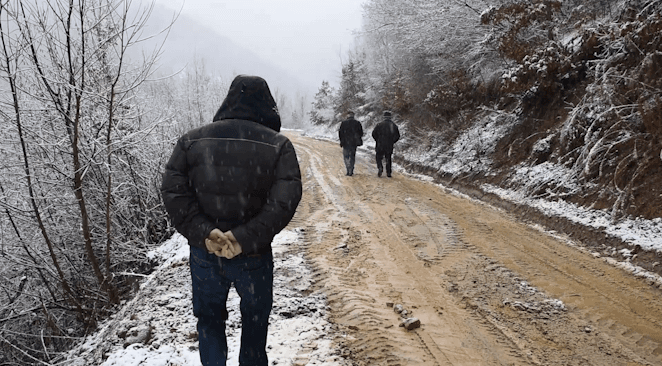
[[648, 6], [38, 361]]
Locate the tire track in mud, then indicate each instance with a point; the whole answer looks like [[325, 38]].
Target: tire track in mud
[[484, 286], [601, 287], [339, 279], [573, 269], [478, 332], [380, 339], [349, 303], [557, 267], [455, 249]]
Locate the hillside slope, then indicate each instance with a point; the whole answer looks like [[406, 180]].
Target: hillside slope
[[582, 129]]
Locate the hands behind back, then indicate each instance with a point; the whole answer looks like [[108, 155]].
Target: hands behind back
[[222, 244], [235, 247], [216, 241]]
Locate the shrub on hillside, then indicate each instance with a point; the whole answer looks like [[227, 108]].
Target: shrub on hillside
[[448, 98], [522, 26]]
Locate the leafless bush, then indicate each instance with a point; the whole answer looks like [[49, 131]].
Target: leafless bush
[[614, 133], [447, 99], [522, 26], [79, 182]]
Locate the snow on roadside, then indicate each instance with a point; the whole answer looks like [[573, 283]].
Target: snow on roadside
[[299, 333], [638, 231], [634, 231]]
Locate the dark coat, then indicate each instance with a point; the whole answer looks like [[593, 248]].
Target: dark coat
[[386, 134], [237, 173], [350, 133]]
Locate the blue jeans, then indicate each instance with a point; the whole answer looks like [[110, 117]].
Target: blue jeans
[[212, 277]]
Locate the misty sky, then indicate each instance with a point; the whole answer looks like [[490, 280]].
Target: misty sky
[[306, 37]]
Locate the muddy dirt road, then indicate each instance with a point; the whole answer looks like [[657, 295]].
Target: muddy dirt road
[[487, 289]]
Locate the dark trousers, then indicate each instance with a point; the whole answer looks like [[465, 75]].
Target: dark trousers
[[211, 278], [349, 155], [386, 156]]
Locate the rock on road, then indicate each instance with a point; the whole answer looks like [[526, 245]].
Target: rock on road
[[487, 289]]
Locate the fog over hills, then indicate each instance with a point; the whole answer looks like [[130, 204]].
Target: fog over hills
[[189, 42]]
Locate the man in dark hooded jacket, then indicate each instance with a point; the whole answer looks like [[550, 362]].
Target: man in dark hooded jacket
[[386, 134], [350, 135], [229, 188]]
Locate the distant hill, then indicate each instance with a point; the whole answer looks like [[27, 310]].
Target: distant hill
[[189, 40]]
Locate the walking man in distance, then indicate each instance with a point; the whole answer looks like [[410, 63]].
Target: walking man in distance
[[351, 136], [229, 188], [386, 134]]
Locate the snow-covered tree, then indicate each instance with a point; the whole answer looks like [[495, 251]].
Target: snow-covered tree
[[81, 162], [322, 111]]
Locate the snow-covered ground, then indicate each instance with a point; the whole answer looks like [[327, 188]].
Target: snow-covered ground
[[299, 333]]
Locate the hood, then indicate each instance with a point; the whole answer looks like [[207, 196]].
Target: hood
[[249, 99]]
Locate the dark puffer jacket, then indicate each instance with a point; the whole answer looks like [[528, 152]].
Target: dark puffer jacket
[[350, 133], [237, 173], [386, 134]]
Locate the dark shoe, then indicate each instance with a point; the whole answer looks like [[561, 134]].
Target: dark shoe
[[379, 173], [388, 175]]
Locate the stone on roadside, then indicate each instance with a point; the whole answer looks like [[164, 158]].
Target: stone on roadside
[[139, 334], [411, 323]]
